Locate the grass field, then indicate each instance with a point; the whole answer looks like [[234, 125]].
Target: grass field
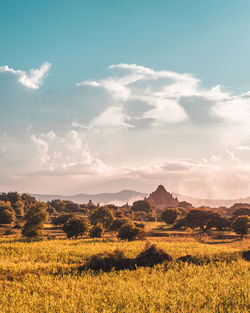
[[40, 277]]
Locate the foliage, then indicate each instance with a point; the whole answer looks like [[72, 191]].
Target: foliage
[[61, 219], [240, 212], [102, 215], [107, 261], [35, 217], [7, 214], [202, 218], [241, 225], [170, 215], [180, 223], [141, 205], [117, 223], [151, 256], [18, 207], [97, 231], [76, 226], [130, 232]]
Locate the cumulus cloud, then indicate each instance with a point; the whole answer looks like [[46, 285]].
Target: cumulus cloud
[[162, 93], [31, 79]]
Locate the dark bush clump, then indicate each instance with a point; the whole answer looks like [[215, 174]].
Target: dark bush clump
[[152, 256], [246, 255], [197, 260], [107, 261]]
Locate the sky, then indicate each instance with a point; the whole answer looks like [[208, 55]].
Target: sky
[[100, 96]]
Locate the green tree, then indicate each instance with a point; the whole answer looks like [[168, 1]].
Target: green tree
[[170, 215], [7, 214], [76, 226], [241, 225], [35, 217], [102, 215]]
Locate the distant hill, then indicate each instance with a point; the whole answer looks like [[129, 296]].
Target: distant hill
[[213, 203], [160, 197], [118, 198]]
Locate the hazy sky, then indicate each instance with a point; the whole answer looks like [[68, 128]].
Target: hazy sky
[[100, 96]]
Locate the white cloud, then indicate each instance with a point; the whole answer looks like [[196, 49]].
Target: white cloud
[[31, 79]]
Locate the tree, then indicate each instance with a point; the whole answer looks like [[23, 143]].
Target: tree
[[35, 217], [7, 214], [61, 219], [241, 225], [97, 231], [18, 208], [130, 232], [117, 223], [57, 204], [102, 215], [141, 205], [202, 218], [170, 215], [76, 226]]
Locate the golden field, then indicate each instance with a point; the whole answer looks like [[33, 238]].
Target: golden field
[[41, 276]]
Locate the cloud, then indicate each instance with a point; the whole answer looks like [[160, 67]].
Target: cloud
[[32, 79], [164, 92]]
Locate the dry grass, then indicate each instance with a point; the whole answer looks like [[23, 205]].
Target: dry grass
[[39, 277]]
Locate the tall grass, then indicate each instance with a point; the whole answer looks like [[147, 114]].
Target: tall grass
[[40, 277]]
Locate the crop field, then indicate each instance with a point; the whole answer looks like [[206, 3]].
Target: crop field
[[42, 276]]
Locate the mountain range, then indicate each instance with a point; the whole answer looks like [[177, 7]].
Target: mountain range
[[129, 196]]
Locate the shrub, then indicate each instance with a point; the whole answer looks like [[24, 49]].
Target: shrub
[[107, 261], [246, 255], [130, 232], [97, 231], [193, 259], [76, 226], [152, 256]]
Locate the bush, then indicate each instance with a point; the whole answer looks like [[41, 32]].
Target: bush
[[107, 261], [193, 259], [152, 256], [97, 231], [130, 232], [76, 226], [246, 255]]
